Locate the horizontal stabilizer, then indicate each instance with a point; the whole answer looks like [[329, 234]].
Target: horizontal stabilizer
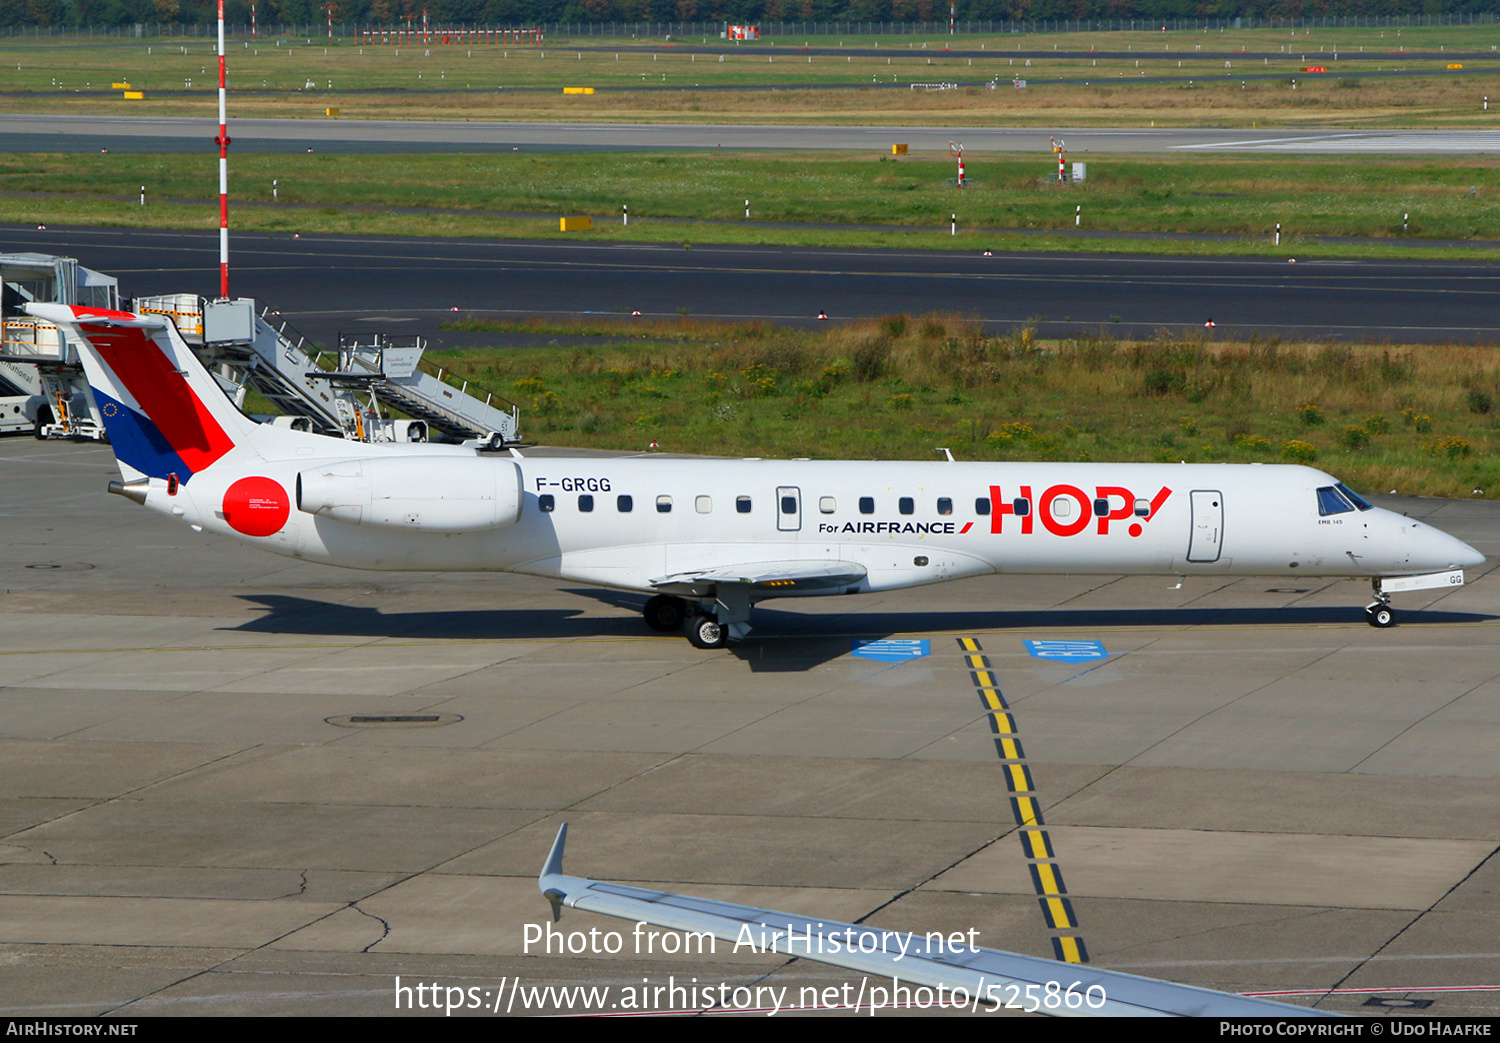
[[67, 315]]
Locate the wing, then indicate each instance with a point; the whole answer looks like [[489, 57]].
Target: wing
[[986, 975], [767, 577]]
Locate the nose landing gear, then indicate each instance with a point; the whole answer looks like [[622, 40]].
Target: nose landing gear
[[1378, 613]]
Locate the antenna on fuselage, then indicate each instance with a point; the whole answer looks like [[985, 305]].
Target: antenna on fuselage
[[946, 450]]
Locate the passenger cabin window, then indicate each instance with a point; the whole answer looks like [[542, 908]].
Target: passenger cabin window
[[867, 505], [982, 505], [1062, 507], [906, 505], [827, 505], [1021, 507], [704, 504], [625, 504], [945, 505], [788, 505], [1331, 501], [742, 504], [546, 503], [585, 503], [663, 505], [1143, 508], [1101, 507]]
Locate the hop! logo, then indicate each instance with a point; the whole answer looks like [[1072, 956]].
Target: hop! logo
[[1066, 510]]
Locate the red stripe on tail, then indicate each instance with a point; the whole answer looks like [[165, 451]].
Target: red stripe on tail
[[162, 392]]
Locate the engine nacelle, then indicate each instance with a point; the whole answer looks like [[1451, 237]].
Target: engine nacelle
[[426, 493]]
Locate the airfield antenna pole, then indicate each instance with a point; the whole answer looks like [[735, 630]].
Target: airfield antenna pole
[[958, 150], [951, 13], [253, 34], [329, 9], [223, 144], [1057, 147]]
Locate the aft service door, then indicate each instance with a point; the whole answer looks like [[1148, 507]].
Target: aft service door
[[789, 508], [1208, 526]]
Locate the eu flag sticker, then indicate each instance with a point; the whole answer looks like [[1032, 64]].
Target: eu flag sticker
[[1067, 651], [892, 649]]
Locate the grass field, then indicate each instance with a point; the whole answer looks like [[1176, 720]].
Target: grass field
[[1450, 198], [1418, 421], [764, 83]]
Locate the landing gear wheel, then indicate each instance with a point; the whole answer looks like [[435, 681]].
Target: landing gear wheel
[[664, 613], [43, 418], [705, 632], [1379, 616]]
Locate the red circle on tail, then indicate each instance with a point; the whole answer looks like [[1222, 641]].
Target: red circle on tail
[[256, 506]]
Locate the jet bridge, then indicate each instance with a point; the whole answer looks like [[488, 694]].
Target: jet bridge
[[42, 385], [349, 393]]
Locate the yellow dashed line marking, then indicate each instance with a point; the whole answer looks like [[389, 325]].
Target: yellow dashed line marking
[[1046, 878], [1026, 810], [1036, 845], [1070, 950], [1010, 749], [1058, 912], [1018, 778], [993, 699]]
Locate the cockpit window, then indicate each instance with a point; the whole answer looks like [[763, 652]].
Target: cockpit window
[[1331, 501], [1353, 497]]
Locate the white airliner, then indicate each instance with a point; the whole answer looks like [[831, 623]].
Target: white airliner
[[710, 538]]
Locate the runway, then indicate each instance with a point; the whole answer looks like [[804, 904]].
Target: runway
[[1253, 791], [21, 133], [328, 284]]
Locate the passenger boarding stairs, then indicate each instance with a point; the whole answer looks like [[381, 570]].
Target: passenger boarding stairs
[[394, 372], [249, 349], [42, 385]]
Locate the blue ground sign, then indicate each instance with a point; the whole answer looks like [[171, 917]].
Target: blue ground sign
[[1067, 651], [892, 649]]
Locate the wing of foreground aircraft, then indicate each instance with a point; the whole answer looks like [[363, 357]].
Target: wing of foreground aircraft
[[989, 977]]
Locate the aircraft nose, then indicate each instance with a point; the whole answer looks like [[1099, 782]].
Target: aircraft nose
[[1434, 550]]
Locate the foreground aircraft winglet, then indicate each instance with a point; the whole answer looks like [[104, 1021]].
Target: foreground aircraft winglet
[[991, 978]]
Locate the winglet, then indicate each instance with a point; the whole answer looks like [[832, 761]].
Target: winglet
[[552, 868]]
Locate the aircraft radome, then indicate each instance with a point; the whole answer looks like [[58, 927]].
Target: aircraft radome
[[709, 539]]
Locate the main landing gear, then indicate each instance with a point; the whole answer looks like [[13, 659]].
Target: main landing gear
[[706, 632], [666, 614], [1378, 613]]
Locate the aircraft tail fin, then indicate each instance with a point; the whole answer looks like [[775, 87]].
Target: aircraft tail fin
[[164, 412]]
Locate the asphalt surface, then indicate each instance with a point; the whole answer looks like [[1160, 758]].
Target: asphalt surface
[[328, 284], [20, 133], [236, 783]]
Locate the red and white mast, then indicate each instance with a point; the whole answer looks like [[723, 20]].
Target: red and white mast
[[223, 143]]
